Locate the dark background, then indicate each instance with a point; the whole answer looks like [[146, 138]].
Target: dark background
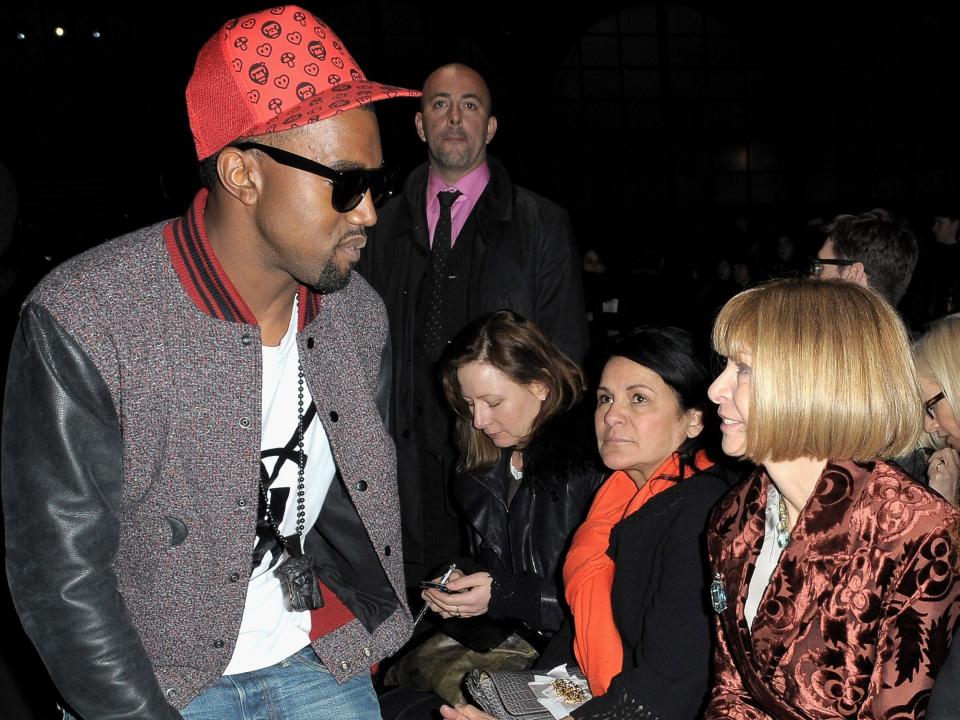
[[675, 134]]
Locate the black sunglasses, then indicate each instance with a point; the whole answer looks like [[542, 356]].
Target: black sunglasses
[[349, 186], [928, 405], [816, 265]]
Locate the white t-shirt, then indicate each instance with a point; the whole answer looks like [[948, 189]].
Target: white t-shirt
[[270, 631]]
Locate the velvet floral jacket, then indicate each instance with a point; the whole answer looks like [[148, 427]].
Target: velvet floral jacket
[[859, 612]]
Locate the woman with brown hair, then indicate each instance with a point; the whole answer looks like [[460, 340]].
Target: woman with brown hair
[[527, 471], [834, 574]]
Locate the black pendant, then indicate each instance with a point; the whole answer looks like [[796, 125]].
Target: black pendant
[[300, 578]]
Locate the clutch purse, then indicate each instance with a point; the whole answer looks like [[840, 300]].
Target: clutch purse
[[507, 695]]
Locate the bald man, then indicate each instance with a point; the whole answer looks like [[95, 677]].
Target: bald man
[[460, 241]]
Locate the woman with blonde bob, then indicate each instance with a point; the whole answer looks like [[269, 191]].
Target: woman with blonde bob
[[834, 574], [938, 362]]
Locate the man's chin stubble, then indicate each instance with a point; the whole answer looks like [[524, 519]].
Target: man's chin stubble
[[332, 279]]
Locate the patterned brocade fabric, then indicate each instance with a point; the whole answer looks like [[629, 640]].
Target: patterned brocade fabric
[[859, 613]]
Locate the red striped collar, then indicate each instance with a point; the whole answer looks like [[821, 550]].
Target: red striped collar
[[203, 277]]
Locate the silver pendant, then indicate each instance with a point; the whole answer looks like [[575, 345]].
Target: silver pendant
[[718, 594], [783, 538]]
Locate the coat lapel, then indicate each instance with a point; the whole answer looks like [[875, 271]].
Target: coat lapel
[[739, 525], [806, 573]]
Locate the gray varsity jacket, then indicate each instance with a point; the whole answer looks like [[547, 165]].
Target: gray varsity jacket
[[130, 461]]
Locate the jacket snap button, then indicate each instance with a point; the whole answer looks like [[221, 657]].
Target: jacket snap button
[[241, 503], [362, 485], [172, 692], [218, 643], [234, 577], [333, 416], [244, 422], [344, 665], [366, 652], [310, 343], [387, 550], [246, 339]]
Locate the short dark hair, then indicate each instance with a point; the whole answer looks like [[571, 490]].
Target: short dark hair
[[519, 349], [884, 243], [671, 354]]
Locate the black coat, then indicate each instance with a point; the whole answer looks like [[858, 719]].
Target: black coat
[[525, 259], [660, 605], [523, 547]]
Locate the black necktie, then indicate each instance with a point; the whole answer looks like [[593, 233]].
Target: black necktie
[[439, 251]]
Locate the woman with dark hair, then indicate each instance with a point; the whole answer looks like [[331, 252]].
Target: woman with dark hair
[[636, 573]]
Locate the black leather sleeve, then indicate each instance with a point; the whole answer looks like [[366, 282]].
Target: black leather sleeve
[[384, 380], [62, 464]]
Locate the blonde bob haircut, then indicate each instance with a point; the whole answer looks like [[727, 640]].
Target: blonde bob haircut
[[832, 375], [938, 358]]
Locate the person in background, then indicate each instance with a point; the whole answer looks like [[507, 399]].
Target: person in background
[[835, 580], [937, 355], [460, 241], [876, 249]]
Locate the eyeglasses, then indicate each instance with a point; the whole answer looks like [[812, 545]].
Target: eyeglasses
[[928, 405], [816, 265], [349, 186]]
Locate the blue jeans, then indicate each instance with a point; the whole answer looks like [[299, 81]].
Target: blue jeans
[[298, 688]]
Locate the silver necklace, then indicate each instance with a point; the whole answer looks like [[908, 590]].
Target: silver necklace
[[783, 534]]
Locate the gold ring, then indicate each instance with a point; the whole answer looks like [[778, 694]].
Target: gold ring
[[940, 465], [458, 611]]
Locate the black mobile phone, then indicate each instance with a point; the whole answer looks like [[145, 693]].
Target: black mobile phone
[[427, 585]]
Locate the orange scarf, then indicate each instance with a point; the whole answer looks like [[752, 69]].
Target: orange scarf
[[588, 570]]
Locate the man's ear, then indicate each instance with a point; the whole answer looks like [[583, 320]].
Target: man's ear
[[418, 121], [239, 174], [491, 128], [855, 273]]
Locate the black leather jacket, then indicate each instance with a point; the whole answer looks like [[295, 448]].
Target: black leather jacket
[[523, 546]]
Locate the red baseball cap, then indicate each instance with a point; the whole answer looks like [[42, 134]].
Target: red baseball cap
[[271, 71]]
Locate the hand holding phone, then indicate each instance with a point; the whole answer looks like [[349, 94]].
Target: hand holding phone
[[430, 585]]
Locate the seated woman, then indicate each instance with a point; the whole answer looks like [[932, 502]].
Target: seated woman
[[636, 573], [527, 473], [938, 361], [834, 575], [525, 476]]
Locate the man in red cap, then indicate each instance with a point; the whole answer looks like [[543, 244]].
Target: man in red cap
[[199, 491]]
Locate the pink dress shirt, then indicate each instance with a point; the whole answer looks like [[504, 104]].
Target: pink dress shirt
[[470, 185]]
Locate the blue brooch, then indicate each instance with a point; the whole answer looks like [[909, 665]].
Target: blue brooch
[[718, 594]]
